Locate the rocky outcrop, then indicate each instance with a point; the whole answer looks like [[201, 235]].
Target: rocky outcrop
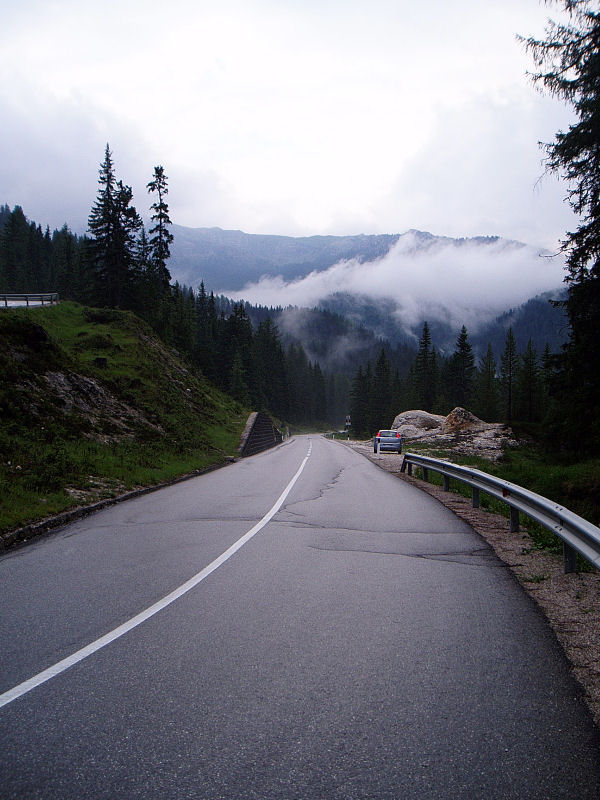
[[101, 414], [462, 420], [416, 424], [460, 430]]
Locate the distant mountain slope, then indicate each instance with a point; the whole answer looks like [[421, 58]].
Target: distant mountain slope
[[387, 285], [537, 319], [228, 260], [368, 324]]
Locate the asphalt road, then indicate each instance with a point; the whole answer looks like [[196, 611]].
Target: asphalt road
[[361, 643]]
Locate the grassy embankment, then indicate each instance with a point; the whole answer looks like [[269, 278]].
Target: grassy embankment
[[574, 485], [92, 404]]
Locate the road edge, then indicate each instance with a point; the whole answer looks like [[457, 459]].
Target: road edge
[[570, 603]]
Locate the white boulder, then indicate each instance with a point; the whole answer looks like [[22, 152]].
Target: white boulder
[[416, 424]]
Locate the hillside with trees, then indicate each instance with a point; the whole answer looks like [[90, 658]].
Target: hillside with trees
[[93, 404], [514, 389], [121, 265], [299, 364]]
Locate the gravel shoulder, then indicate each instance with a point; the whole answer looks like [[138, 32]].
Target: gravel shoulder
[[570, 603]]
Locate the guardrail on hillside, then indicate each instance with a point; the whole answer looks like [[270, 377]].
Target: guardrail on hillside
[[577, 534], [42, 298]]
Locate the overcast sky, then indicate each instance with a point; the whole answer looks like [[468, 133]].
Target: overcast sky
[[284, 116]]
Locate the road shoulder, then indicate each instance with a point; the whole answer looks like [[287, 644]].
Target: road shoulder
[[570, 603]]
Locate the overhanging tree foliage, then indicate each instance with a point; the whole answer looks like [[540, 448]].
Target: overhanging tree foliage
[[568, 63]]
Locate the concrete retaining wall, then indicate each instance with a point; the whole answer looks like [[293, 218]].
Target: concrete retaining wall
[[259, 434]]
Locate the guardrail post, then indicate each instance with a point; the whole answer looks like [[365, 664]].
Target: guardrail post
[[569, 558], [425, 474], [475, 497], [446, 483], [514, 520]]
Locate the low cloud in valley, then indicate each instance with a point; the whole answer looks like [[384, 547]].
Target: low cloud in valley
[[456, 281]]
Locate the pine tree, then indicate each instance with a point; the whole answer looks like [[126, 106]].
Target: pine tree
[[380, 393], [160, 235], [14, 252], [461, 371], [360, 395], [234, 337], [319, 395], [297, 365], [396, 396], [205, 333], [486, 391], [65, 265], [270, 369], [425, 376], [4, 215], [101, 222], [568, 63], [528, 385], [114, 224], [238, 387], [183, 322], [508, 376]]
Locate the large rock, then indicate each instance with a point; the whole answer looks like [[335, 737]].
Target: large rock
[[460, 431], [462, 420], [416, 424]]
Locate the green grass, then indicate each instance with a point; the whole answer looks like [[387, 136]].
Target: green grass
[[92, 403]]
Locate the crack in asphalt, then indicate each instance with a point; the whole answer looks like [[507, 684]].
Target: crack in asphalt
[[459, 557], [322, 491], [316, 526]]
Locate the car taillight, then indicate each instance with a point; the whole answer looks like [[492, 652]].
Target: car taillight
[[397, 435]]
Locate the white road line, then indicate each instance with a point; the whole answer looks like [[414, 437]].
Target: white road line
[[98, 644]]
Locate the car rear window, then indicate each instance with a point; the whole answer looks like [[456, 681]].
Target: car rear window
[[387, 434]]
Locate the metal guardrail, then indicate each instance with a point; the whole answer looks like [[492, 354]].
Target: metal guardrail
[[577, 534], [37, 297]]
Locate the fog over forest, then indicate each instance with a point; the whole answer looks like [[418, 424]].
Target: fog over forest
[[458, 282]]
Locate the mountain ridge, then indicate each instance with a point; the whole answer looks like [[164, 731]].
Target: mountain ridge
[[228, 260], [387, 283]]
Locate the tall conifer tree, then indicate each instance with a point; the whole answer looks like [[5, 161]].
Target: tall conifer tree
[[462, 371], [382, 386], [508, 373], [425, 372], [528, 385], [568, 63], [114, 224], [160, 235], [486, 391]]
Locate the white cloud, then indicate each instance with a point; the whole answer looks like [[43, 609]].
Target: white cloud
[[466, 282], [282, 117]]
